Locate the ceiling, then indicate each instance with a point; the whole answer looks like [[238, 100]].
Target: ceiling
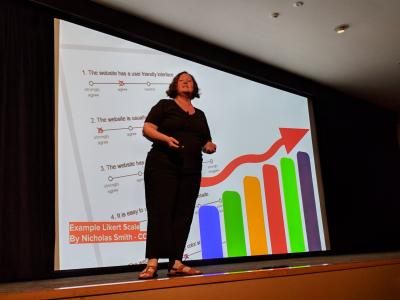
[[363, 62]]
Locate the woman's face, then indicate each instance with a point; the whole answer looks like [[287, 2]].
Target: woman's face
[[185, 85]]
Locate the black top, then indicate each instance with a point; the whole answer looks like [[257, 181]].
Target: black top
[[191, 131]]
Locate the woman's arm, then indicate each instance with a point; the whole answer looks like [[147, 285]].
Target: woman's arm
[[150, 131], [209, 147]]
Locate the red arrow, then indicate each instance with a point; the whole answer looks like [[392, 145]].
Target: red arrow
[[290, 137]]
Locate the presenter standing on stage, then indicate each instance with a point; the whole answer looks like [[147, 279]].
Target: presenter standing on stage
[[172, 174]]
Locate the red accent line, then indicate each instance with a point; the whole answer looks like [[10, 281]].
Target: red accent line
[[290, 138], [248, 158]]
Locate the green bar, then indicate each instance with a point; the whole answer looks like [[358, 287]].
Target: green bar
[[292, 203], [233, 219]]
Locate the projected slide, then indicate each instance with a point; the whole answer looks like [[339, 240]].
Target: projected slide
[[259, 192]]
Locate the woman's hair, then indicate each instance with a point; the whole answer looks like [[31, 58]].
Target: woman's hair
[[172, 91]]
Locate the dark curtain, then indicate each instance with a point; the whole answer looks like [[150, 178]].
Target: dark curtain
[[26, 142], [360, 164]]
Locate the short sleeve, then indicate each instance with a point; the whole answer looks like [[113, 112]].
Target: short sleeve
[[156, 114]]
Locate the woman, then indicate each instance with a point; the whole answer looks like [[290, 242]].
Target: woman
[[172, 174]]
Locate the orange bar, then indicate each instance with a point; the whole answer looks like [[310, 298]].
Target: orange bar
[[255, 216]]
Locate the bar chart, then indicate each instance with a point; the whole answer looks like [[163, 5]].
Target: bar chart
[[286, 223]]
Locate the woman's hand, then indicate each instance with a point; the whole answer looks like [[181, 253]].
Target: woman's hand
[[150, 131], [172, 143], [209, 148]]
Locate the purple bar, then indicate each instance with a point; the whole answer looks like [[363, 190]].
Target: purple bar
[[309, 207]]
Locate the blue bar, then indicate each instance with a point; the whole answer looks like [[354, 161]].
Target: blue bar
[[210, 232]]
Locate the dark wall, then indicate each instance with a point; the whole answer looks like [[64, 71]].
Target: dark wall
[[358, 147], [26, 142], [360, 165]]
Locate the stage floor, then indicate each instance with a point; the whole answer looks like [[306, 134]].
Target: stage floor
[[212, 274]]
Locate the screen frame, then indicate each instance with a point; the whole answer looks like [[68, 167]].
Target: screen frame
[[212, 64]]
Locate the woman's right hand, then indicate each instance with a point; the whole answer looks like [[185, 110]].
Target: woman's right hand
[[172, 143], [150, 131]]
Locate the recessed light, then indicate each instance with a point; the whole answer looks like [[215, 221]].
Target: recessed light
[[341, 28], [298, 4], [275, 15]]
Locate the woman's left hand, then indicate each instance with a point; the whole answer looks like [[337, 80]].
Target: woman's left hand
[[209, 148]]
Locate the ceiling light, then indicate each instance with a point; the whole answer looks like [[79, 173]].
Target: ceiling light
[[275, 15], [341, 28], [298, 4]]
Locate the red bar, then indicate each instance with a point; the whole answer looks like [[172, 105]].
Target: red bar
[[274, 209]]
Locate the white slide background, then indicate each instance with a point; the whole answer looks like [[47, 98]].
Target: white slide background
[[100, 116]]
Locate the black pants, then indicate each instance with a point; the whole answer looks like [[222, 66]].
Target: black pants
[[171, 194]]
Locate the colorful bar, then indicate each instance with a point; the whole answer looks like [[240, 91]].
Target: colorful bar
[[255, 217], [234, 228], [274, 209], [292, 204], [309, 207], [210, 232]]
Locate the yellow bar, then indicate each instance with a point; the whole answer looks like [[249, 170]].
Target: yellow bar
[[255, 216]]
